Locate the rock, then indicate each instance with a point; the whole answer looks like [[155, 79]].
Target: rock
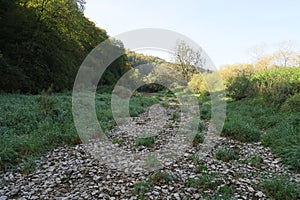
[[3, 197], [259, 194]]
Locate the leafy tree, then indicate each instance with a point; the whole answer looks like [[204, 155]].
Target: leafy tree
[[187, 59]]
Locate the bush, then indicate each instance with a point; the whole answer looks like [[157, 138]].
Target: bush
[[276, 85], [239, 87], [292, 103], [199, 85]]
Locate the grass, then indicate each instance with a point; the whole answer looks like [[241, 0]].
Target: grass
[[199, 138], [175, 116], [248, 119], [284, 140], [160, 177], [145, 141], [117, 140], [255, 161], [280, 188], [141, 189], [200, 168], [205, 181], [31, 125], [224, 193], [226, 155]]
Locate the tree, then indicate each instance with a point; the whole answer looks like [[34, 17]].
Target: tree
[[43, 43], [286, 53], [187, 59]]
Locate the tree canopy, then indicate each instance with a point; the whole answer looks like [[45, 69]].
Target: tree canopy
[[43, 43]]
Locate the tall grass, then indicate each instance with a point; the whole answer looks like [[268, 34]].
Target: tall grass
[[30, 125]]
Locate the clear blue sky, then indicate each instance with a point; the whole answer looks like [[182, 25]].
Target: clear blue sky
[[225, 29]]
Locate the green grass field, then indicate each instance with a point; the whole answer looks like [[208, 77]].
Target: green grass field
[[31, 125]]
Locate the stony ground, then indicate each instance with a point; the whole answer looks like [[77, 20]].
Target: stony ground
[[73, 173]]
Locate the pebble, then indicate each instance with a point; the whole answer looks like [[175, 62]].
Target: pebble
[[73, 173]]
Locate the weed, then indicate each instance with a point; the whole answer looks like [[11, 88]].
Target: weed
[[199, 138], [145, 141], [205, 111], [196, 159], [201, 168], [205, 181], [255, 161], [175, 116], [141, 189], [226, 155], [117, 140], [162, 177]]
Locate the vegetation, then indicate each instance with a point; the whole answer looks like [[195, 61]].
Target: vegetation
[[159, 177], [41, 47], [199, 138], [145, 141], [280, 188], [205, 181], [33, 124], [141, 189], [226, 155]]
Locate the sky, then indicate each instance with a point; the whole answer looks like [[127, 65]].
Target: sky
[[225, 29]]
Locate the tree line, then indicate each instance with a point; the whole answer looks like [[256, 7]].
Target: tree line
[[43, 43]]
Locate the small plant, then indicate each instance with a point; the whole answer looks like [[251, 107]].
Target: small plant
[[170, 126], [162, 177], [199, 138], [255, 161], [280, 188], [224, 193], [226, 155], [117, 140], [196, 125], [206, 181], [145, 141], [201, 168], [205, 111], [141, 189], [196, 159], [175, 116]]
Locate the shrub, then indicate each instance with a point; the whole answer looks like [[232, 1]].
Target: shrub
[[292, 103], [277, 84], [239, 87], [199, 85], [205, 111]]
